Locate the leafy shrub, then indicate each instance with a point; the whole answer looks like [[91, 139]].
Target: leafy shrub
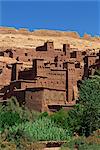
[[42, 129], [11, 114], [89, 99], [9, 119], [44, 114], [85, 117], [45, 129], [60, 118]]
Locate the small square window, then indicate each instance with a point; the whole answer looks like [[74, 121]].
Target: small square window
[[26, 54]]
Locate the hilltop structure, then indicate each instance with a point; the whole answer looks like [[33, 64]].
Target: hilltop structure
[[45, 78]]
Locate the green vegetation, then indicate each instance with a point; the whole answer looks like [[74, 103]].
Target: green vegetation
[[22, 129], [83, 143], [45, 130], [85, 117], [12, 114], [90, 104], [40, 130], [19, 126], [80, 144], [97, 72]]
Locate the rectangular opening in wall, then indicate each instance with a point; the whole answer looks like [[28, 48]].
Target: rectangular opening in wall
[[73, 54], [54, 108], [26, 54], [77, 65], [1, 53]]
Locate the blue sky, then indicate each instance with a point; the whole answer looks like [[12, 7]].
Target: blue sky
[[81, 16]]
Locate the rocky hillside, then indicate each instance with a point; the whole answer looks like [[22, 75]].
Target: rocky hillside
[[11, 37]]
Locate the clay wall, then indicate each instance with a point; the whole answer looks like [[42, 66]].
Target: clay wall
[[88, 62], [54, 97], [76, 56], [16, 68], [40, 99], [20, 54], [22, 71], [5, 74], [79, 70], [66, 48], [47, 55], [24, 55], [91, 60], [33, 100], [48, 46], [71, 81], [56, 79], [79, 56], [23, 84], [28, 84], [39, 68]]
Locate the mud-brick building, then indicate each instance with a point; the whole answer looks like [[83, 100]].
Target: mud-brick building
[[45, 78]]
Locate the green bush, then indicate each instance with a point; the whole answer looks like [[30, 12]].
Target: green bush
[[89, 99], [42, 129], [11, 114], [85, 117], [9, 119], [45, 130], [44, 114], [60, 118]]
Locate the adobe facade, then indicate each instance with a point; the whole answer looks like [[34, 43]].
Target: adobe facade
[[45, 78]]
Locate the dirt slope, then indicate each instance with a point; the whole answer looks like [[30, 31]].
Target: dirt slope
[[10, 37]]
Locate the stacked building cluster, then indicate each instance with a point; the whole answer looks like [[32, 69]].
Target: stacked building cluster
[[44, 78]]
